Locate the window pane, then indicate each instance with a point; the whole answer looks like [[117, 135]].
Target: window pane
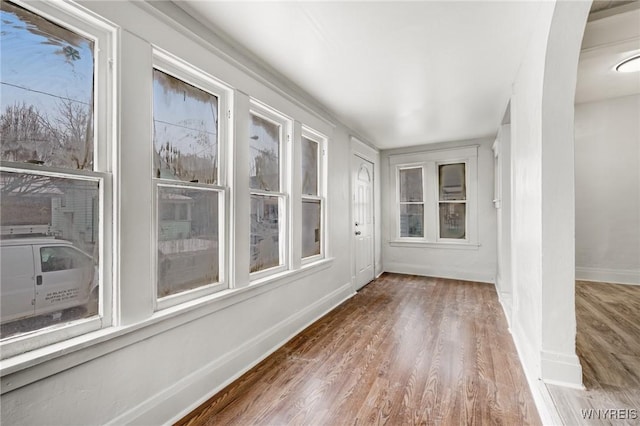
[[452, 220], [50, 249], [411, 220], [411, 185], [265, 232], [188, 254], [309, 167], [452, 182], [311, 233], [264, 154], [185, 131], [47, 92]]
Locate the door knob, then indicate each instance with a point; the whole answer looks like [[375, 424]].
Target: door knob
[[358, 232]]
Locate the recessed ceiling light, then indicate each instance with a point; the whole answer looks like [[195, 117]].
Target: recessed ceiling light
[[629, 65]]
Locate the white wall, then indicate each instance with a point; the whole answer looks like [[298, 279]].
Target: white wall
[[152, 368], [543, 317], [607, 157], [560, 364], [466, 263]]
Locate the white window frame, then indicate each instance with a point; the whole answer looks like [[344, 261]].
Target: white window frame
[[103, 34], [267, 113], [321, 141], [430, 161], [183, 71], [399, 203]]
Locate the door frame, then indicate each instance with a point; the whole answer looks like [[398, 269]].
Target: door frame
[[372, 155]]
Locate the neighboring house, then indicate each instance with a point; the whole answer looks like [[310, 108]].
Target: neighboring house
[[73, 215], [175, 219], [50, 208]]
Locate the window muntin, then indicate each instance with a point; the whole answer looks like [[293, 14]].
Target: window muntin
[[411, 192], [189, 206], [185, 131], [268, 190], [47, 92], [54, 135], [452, 196]]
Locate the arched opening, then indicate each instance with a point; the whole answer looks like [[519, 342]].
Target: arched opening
[[542, 203], [607, 214]]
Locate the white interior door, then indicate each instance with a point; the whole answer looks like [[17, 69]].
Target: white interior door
[[362, 223]]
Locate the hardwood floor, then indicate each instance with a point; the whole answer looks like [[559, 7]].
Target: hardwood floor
[[404, 350], [608, 345]]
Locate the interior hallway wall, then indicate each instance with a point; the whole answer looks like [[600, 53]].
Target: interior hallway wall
[[543, 243], [477, 263], [607, 158]]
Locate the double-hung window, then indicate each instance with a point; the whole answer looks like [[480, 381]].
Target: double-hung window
[[411, 204], [436, 196], [269, 136], [312, 149], [55, 174], [189, 134]]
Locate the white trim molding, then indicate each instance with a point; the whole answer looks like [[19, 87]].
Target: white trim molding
[[179, 398], [439, 272], [561, 369], [615, 276], [428, 162]]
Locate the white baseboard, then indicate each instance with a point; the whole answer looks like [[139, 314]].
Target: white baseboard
[[617, 276], [202, 384], [541, 397], [526, 350], [547, 409], [429, 271], [506, 301], [561, 369]]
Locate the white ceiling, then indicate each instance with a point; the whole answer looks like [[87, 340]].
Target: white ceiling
[[610, 37], [398, 73], [408, 73]]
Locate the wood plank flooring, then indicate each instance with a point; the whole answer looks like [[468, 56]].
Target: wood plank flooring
[[608, 345], [404, 350]]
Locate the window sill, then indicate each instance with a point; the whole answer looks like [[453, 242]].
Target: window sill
[[285, 277], [438, 245], [29, 367]]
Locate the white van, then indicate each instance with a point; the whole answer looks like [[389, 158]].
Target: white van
[[42, 276]]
